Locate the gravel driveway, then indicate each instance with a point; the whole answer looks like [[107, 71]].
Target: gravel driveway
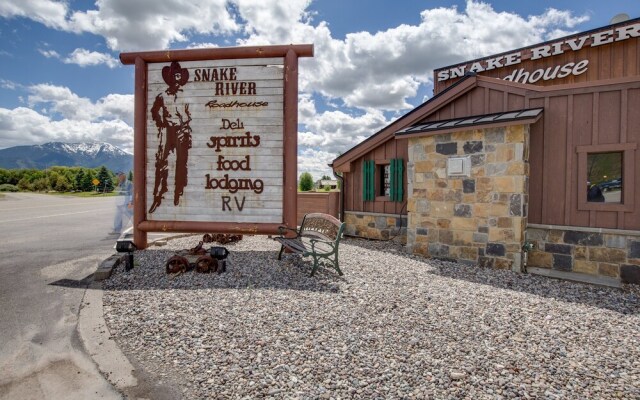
[[395, 326]]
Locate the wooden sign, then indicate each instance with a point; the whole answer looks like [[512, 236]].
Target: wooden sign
[[216, 140]]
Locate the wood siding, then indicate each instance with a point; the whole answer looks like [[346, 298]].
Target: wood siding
[[353, 180]]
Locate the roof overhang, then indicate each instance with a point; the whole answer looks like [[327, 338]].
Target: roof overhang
[[485, 121]]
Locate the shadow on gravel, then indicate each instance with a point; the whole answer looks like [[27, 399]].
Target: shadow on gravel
[[245, 270], [617, 300]]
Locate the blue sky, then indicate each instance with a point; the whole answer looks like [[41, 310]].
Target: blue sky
[[61, 80]]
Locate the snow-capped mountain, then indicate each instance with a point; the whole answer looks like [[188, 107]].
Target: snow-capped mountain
[[47, 155]]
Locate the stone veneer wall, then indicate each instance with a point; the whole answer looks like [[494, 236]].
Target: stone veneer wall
[[604, 252], [478, 219], [376, 226]]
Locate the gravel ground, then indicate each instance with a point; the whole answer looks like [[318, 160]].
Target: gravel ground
[[395, 326]]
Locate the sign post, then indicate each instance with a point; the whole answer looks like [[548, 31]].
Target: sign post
[[215, 139]]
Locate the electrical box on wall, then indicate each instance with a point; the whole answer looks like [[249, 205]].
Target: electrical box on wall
[[459, 166]]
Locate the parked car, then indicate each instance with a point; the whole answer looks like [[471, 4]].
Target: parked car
[[611, 185]]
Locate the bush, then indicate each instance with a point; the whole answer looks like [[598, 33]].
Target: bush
[[8, 188], [306, 182]]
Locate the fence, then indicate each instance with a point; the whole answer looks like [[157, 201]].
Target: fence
[[309, 202]]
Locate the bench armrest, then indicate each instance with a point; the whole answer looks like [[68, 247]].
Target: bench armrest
[[282, 230], [314, 241]]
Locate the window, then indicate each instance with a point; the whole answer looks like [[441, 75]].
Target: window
[[385, 180], [382, 180], [606, 177]]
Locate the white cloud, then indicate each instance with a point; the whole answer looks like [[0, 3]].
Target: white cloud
[[83, 58], [385, 69], [63, 101], [48, 12], [315, 162], [49, 53], [153, 25], [67, 117], [22, 126]]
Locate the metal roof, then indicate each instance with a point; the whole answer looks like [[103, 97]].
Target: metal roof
[[467, 122]]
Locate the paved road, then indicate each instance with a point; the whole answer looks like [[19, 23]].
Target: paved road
[[48, 245]]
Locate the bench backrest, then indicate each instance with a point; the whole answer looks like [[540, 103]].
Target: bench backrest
[[321, 224]]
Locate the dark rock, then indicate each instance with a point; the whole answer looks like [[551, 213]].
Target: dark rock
[[634, 249], [583, 238], [472, 147], [447, 148], [468, 185], [478, 160], [557, 248], [422, 231], [562, 262], [495, 249], [483, 229], [630, 273], [462, 210]]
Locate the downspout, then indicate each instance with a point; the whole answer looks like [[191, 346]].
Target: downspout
[[341, 197]]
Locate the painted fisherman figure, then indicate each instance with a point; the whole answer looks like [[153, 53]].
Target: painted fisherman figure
[[124, 202], [172, 118]]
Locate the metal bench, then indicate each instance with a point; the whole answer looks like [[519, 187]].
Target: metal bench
[[319, 236]]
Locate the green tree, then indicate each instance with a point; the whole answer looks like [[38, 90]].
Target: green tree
[[40, 185], [79, 180], [106, 180], [5, 175], [24, 185], [130, 177], [87, 181], [62, 184], [306, 182], [326, 178]]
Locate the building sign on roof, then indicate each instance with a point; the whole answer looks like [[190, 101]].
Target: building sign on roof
[[532, 65]]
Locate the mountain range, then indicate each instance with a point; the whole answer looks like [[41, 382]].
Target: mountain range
[[90, 155]]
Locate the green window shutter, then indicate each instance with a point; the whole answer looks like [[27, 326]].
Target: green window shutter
[[368, 183], [396, 179], [399, 194]]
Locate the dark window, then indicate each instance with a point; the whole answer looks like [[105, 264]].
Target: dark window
[[385, 180], [604, 177]]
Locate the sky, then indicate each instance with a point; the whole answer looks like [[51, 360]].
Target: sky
[[61, 78]]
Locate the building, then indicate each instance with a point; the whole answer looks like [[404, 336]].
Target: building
[[533, 147], [323, 184]]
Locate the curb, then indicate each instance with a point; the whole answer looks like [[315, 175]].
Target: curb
[[95, 337], [106, 267]]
